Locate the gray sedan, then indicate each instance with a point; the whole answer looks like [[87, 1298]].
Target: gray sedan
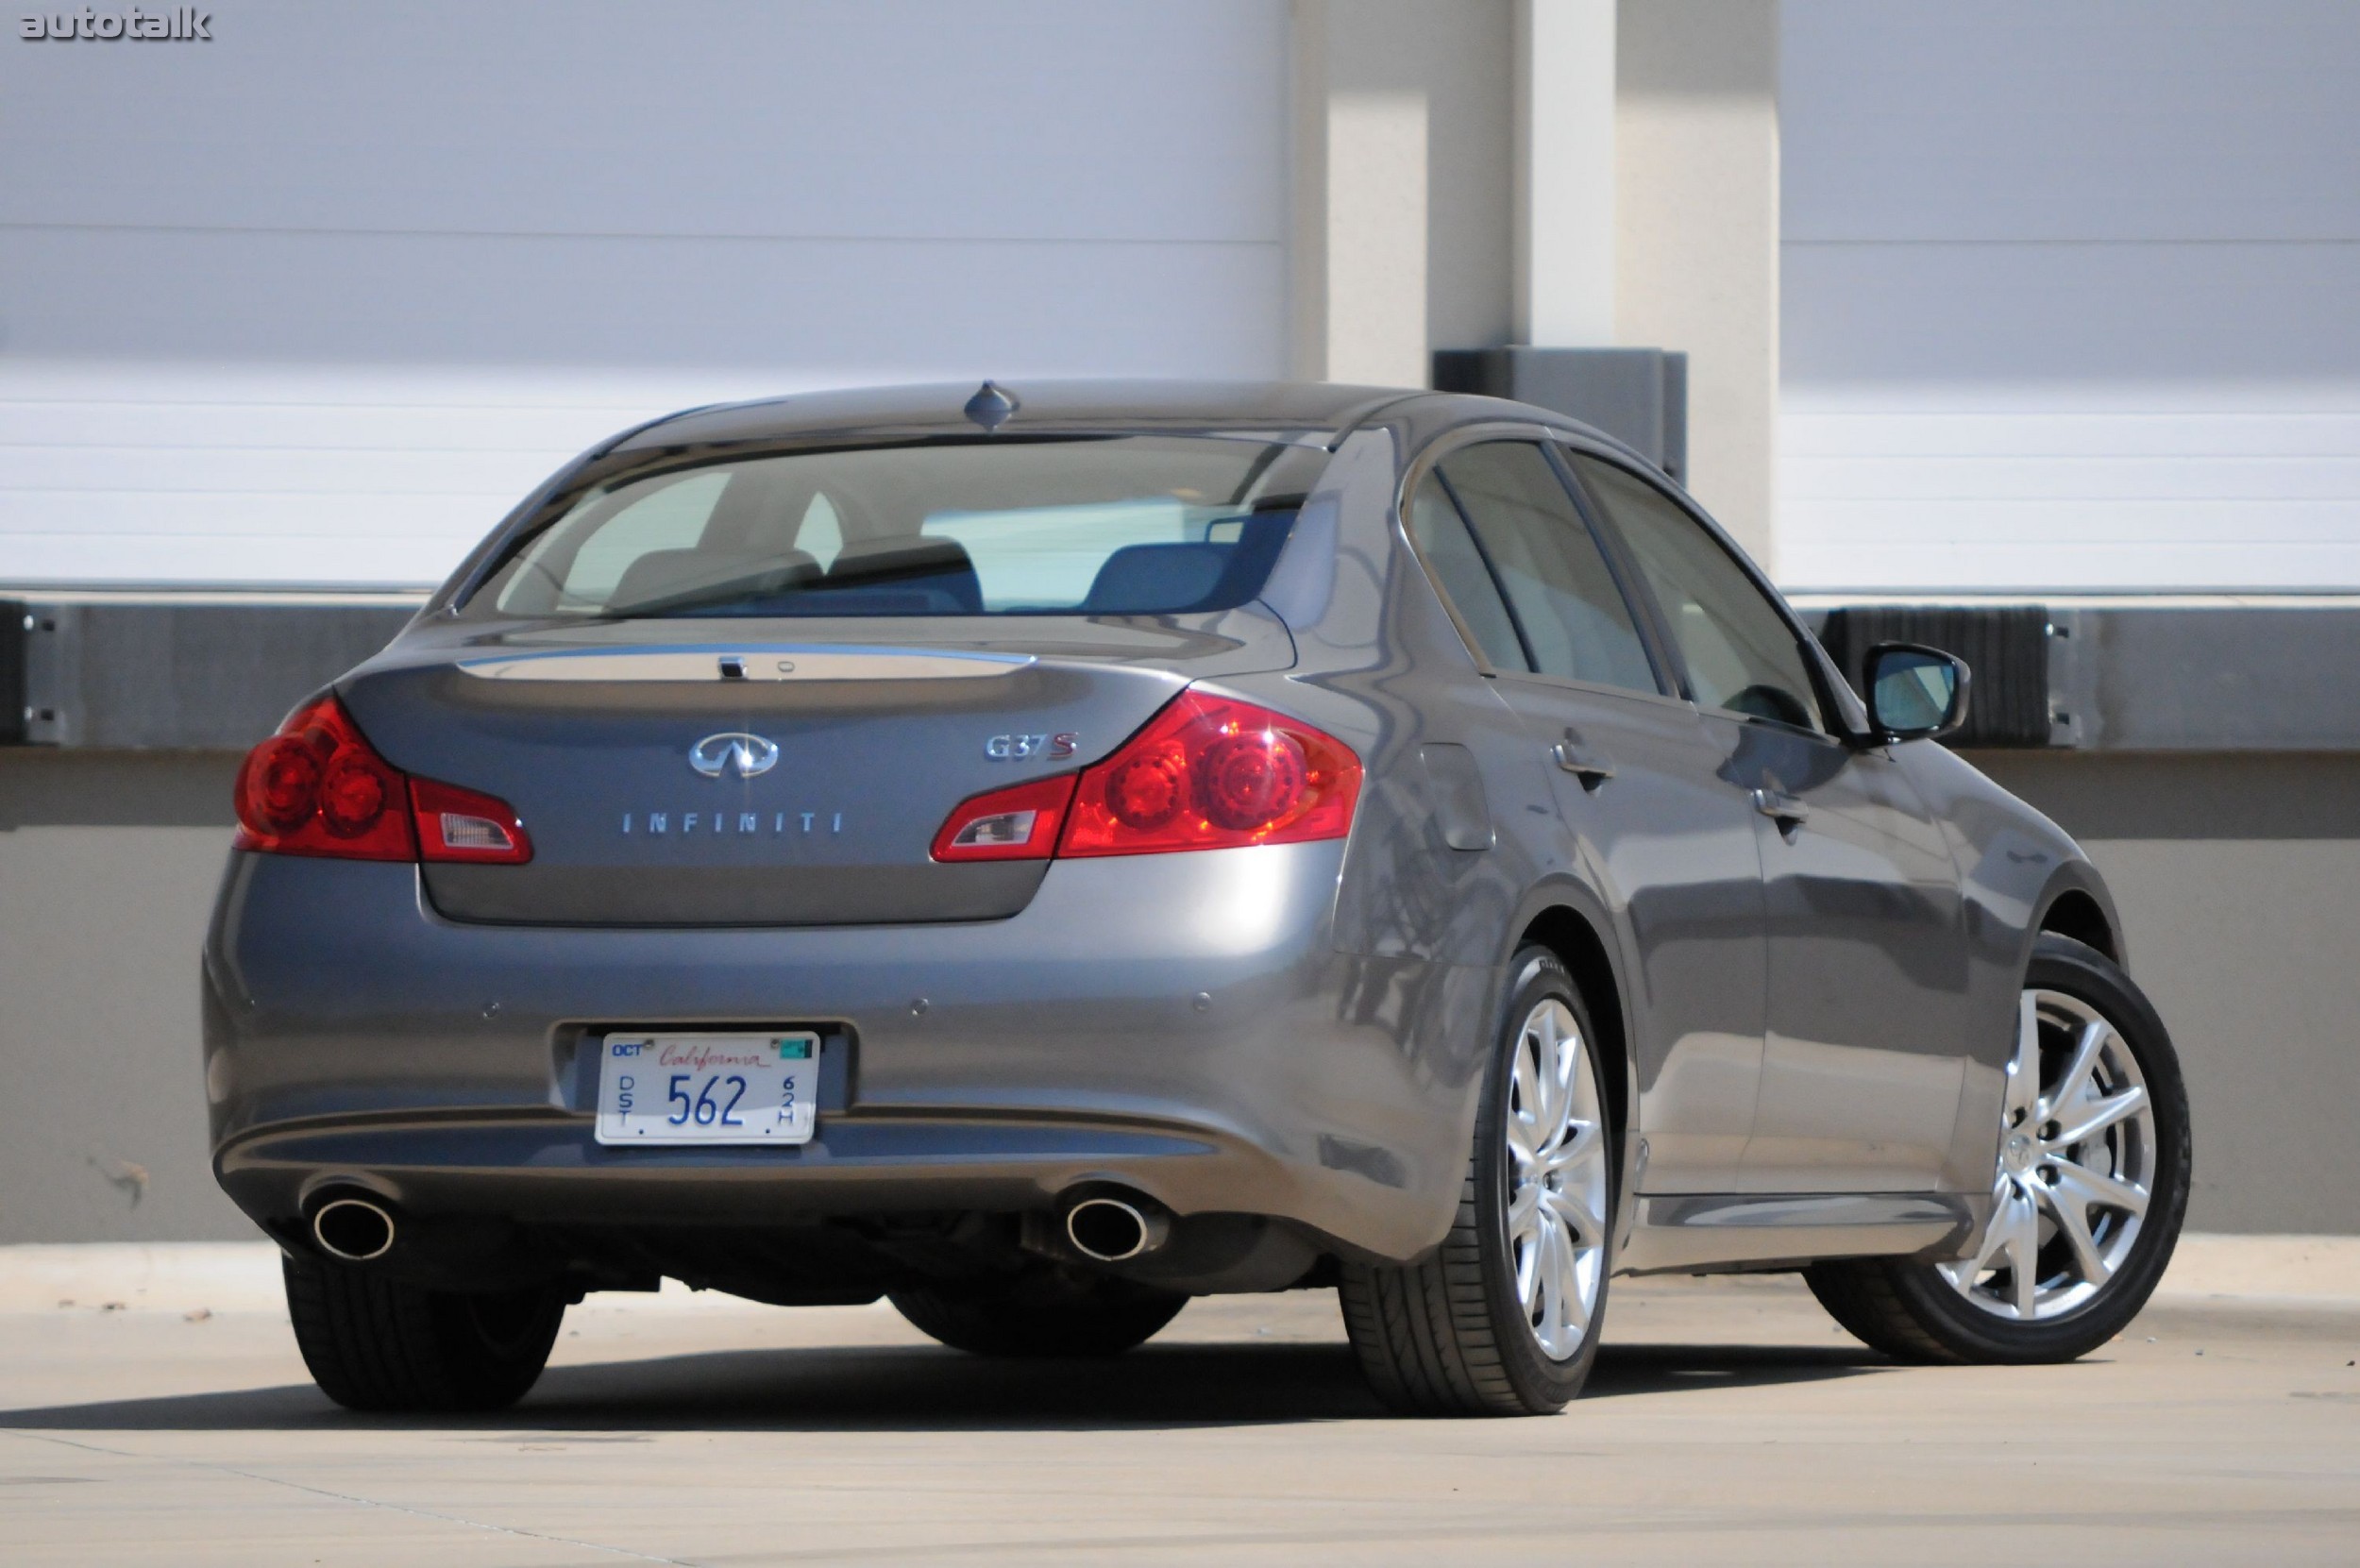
[[1039, 854]]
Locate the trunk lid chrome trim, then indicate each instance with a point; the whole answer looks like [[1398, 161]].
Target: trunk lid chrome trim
[[747, 661]]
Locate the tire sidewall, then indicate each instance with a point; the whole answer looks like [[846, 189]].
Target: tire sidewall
[[2059, 963], [1540, 1380]]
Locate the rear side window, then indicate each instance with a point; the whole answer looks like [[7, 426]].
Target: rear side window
[[1548, 566], [1443, 538], [1117, 526]]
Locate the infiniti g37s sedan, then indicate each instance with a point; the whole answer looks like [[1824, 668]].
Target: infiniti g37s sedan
[[1039, 854]]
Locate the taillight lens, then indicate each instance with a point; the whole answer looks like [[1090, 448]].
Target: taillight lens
[[317, 787], [1208, 773], [1017, 823], [462, 825]]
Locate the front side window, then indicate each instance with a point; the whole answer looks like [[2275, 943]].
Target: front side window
[[1741, 654], [1556, 582], [1116, 525]]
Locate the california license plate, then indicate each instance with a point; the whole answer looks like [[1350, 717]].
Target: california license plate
[[708, 1089]]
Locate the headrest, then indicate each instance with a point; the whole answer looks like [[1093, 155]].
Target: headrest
[[662, 575], [1139, 579], [913, 566]]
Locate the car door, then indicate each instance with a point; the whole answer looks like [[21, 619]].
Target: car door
[[1867, 1048], [1638, 783]]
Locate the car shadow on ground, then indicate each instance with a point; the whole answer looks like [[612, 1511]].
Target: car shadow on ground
[[895, 1388]]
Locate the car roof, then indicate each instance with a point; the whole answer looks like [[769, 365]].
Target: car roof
[[1318, 409]]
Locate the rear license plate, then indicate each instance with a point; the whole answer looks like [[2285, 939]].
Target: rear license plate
[[708, 1089]]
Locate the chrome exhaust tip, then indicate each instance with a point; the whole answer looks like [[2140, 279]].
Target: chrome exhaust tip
[[355, 1230], [1114, 1230]]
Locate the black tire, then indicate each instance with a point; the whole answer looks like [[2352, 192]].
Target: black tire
[[378, 1345], [1449, 1335], [1048, 1310], [1908, 1310]]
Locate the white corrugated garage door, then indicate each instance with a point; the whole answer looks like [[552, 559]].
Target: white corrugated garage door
[[318, 300], [2069, 295]]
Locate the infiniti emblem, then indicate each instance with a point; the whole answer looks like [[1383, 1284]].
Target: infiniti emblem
[[751, 756]]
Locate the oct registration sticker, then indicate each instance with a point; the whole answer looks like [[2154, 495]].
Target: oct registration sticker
[[708, 1089]]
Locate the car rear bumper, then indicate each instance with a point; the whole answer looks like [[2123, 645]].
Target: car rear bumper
[[1179, 1025]]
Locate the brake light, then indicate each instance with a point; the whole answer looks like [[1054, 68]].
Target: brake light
[[1208, 773], [1017, 823], [317, 787]]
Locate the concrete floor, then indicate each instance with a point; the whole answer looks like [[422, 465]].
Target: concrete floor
[[1729, 1421]]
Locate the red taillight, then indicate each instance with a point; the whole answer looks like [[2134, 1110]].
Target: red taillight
[[317, 787], [1208, 774], [1017, 823], [279, 788]]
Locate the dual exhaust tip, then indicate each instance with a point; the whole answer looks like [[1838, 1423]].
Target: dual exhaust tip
[[1114, 1228], [1104, 1227], [353, 1229]]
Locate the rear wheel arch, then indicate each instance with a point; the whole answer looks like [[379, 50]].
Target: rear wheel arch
[[1574, 939]]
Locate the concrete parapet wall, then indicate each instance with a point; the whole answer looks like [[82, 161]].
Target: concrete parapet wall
[[2238, 878]]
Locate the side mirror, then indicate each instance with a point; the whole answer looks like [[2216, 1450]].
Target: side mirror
[[1915, 693]]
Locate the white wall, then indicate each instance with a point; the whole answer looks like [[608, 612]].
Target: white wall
[[1696, 206], [2069, 294], [1400, 201], [318, 300]]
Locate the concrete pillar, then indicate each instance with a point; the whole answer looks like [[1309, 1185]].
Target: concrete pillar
[[1564, 178], [1451, 189], [1696, 206], [1402, 156]]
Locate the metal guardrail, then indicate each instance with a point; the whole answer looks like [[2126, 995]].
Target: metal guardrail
[[178, 670], [2180, 672], [217, 670]]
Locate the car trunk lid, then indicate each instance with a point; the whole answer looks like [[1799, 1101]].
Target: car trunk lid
[[770, 780]]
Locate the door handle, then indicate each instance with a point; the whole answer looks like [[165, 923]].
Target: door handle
[[1591, 771], [1786, 810]]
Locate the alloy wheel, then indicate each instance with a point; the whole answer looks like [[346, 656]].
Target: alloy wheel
[[1557, 1179], [2078, 1160]]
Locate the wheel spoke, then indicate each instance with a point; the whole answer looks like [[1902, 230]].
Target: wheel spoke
[[2073, 1219], [1549, 1055], [2113, 1109], [2096, 1035], [1524, 1105], [1996, 1236], [1579, 1148], [2023, 1087], [1963, 1272], [1548, 1278], [2096, 1186], [1523, 1211], [2023, 1257], [1521, 1147], [1570, 1313], [1568, 1209]]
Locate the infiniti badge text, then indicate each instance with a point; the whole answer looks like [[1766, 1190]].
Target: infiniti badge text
[[769, 824]]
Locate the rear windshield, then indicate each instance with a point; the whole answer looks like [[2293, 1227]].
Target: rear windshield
[[1113, 526]]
